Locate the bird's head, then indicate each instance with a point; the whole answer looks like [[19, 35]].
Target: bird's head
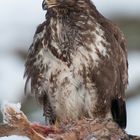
[[58, 3]]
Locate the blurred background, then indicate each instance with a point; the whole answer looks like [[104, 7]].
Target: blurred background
[[18, 22]]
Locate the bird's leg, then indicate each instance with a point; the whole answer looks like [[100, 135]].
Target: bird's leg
[[49, 114]]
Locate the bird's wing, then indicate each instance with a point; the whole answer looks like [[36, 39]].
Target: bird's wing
[[113, 72], [30, 69], [118, 104]]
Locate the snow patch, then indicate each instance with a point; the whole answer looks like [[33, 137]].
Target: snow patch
[[14, 138], [5, 106]]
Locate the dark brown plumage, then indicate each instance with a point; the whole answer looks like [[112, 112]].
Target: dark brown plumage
[[77, 63]]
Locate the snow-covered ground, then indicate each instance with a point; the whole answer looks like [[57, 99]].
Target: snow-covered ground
[[14, 138], [17, 25]]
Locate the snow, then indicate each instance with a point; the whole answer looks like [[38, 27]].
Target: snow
[[19, 16], [4, 107], [14, 138], [6, 117]]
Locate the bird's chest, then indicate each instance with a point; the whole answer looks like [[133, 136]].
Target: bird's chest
[[67, 63], [63, 78], [82, 40], [72, 52], [59, 73]]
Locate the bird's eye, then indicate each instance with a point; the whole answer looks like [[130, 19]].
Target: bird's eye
[[44, 5]]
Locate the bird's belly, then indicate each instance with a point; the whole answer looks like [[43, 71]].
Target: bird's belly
[[69, 96], [66, 94], [72, 92]]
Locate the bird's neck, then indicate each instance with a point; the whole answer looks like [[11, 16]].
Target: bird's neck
[[81, 7], [66, 28]]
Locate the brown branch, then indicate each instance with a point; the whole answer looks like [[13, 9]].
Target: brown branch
[[6, 130], [17, 124], [100, 129]]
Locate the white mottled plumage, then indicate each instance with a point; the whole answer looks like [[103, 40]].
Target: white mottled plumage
[[80, 100], [76, 66]]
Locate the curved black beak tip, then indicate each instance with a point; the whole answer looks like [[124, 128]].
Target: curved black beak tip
[[44, 5]]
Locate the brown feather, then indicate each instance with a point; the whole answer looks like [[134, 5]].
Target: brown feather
[[78, 59]]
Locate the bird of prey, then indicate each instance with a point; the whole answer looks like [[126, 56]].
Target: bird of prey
[[77, 64]]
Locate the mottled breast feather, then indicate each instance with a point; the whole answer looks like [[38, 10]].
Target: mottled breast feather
[[78, 64]]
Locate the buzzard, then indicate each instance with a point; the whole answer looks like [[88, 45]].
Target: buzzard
[[77, 64]]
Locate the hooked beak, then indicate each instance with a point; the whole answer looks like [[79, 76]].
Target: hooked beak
[[44, 5]]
